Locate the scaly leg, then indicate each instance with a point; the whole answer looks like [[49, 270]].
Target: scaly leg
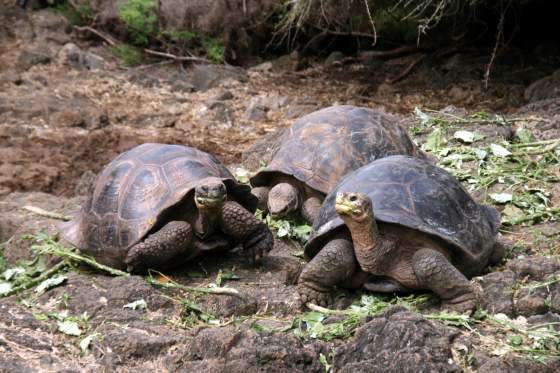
[[436, 273], [160, 247], [244, 227], [333, 265]]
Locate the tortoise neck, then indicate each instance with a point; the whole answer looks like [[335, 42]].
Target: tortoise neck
[[206, 221], [365, 237]]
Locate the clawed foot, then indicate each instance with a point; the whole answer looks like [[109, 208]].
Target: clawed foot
[[309, 295], [256, 251], [465, 303]]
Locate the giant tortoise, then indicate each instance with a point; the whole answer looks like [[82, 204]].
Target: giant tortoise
[[321, 147], [400, 224], [158, 204]]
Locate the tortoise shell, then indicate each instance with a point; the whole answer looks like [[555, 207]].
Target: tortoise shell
[[321, 147], [137, 190], [413, 193]]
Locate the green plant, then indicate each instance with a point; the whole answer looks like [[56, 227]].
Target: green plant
[[127, 54], [140, 17], [215, 50], [79, 15], [179, 36]]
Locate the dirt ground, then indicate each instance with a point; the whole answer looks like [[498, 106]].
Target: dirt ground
[[67, 108]]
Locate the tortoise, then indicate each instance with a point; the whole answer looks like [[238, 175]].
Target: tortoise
[[400, 224], [157, 204], [318, 149]]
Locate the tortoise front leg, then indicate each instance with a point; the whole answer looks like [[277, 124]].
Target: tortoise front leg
[[245, 228], [333, 265], [160, 247], [435, 272], [310, 209]]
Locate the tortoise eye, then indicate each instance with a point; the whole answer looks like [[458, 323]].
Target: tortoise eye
[[353, 198]]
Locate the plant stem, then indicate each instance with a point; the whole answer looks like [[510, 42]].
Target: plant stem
[[63, 252], [170, 284], [29, 284], [48, 214]]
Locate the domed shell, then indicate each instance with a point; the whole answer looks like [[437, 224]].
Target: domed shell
[[416, 194], [136, 189], [321, 147]]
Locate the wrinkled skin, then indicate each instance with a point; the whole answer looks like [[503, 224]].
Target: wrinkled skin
[[214, 213], [385, 258]]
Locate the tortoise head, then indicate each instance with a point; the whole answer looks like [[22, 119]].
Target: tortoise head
[[355, 207], [211, 193], [283, 199]]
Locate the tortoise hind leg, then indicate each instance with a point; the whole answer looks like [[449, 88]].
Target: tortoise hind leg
[[160, 247], [435, 272], [333, 265]]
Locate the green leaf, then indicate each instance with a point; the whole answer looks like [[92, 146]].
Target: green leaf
[[242, 175], [480, 153], [514, 340], [50, 283], [86, 342], [434, 141], [499, 150], [69, 327], [523, 135], [139, 304], [501, 197], [511, 212], [464, 136], [5, 288], [12, 273], [424, 118]]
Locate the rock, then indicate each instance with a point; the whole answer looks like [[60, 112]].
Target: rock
[[513, 364], [227, 350], [287, 63], [182, 86], [531, 301], [457, 93], [537, 268], [227, 305], [205, 77], [334, 57], [28, 59], [16, 222], [223, 96], [297, 111], [370, 58], [155, 120], [547, 318], [80, 116], [498, 290], [545, 88], [222, 112], [263, 67], [71, 55], [256, 111], [397, 341]]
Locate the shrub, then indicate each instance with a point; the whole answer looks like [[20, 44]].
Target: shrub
[[127, 54], [140, 17]]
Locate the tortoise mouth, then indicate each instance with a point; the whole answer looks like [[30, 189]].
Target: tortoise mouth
[[210, 201], [346, 204]]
